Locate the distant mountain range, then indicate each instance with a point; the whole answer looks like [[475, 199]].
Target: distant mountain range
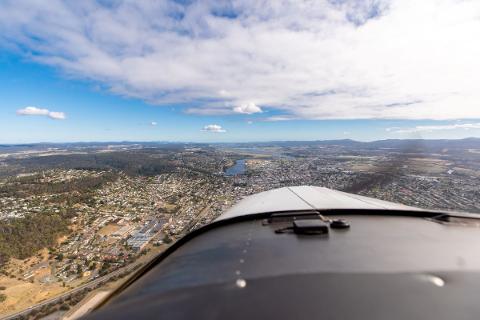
[[379, 144], [467, 143]]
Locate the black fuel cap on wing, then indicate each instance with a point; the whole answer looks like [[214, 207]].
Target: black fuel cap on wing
[[339, 224], [310, 227]]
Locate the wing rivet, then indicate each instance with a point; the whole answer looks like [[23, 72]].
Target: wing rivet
[[241, 283], [437, 281]]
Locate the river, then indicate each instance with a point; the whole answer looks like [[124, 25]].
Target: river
[[238, 168]]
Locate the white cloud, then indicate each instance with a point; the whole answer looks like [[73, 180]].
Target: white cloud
[[417, 129], [223, 93], [396, 59], [153, 123], [247, 108], [214, 128], [34, 111], [57, 115], [281, 118]]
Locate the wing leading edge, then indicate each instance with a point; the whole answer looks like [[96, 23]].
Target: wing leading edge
[[306, 198]]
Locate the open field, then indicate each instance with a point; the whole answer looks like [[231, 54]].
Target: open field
[[21, 294], [108, 229]]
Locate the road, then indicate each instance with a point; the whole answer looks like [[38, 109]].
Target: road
[[65, 295]]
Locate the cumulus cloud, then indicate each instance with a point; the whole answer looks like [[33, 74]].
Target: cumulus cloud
[[56, 115], [247, 108], [349, 59], [34, 111], [417, 129], [153, 123], [214, 128]]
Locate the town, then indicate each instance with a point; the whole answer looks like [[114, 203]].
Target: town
[[93, 218]]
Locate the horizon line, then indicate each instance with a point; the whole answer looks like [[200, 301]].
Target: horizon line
[[229, 142]]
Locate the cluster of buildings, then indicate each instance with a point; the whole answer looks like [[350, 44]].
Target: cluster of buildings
[[142, 237], [120, 220], [428, 182]]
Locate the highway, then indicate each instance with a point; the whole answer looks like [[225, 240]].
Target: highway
[[65, 295]]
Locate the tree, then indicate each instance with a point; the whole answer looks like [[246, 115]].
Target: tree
[[64, 307], [167, 239]]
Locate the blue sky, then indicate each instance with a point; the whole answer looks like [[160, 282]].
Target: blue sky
[[204, 76]]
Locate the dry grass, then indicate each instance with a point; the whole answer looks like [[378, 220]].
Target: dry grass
[[22, 294], [109, 229]]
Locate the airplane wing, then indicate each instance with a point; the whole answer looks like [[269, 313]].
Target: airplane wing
[[309, 252], [306, 198]]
